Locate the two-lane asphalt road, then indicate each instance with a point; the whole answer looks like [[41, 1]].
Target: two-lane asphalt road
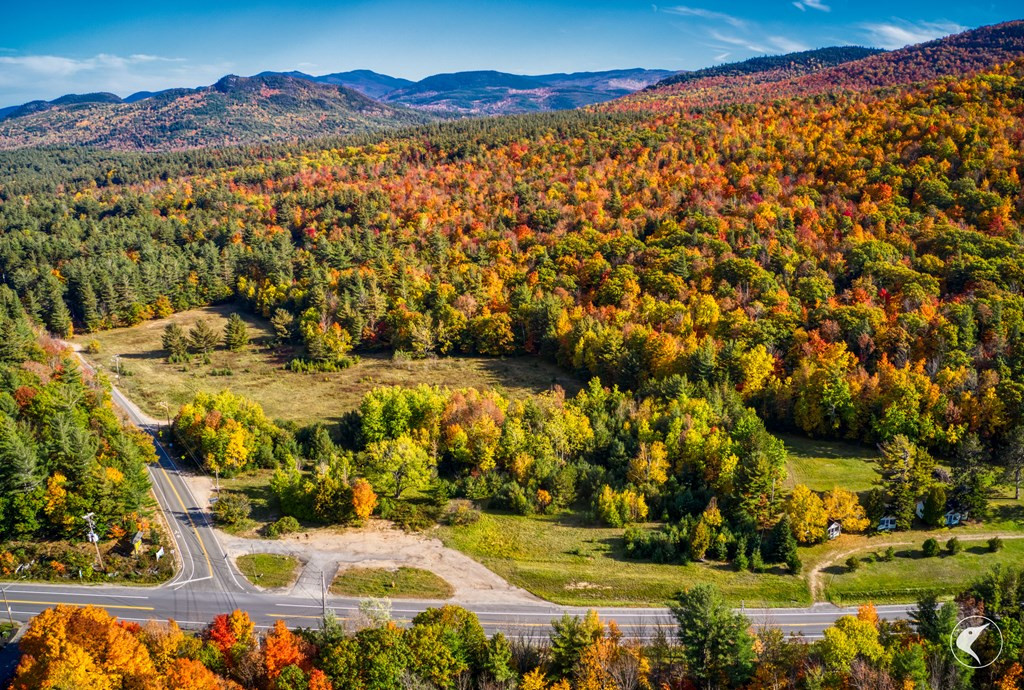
[[207, 583], [194, 608]]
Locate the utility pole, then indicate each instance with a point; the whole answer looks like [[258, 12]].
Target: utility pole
[[90, 519], [10, 618], [323, 594], [117, 366]]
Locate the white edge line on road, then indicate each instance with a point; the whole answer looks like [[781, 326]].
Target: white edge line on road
[[75, 594], [202, 511]]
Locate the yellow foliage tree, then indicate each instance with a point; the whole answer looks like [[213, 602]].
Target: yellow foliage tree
[[844, 507], [807, 515]]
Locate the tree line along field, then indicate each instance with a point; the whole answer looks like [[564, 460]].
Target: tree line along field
[[258, 373]]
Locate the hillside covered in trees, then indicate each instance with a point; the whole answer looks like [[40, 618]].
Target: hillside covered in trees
[[867, 243], [774, 67], [831, 70], [64, 453]]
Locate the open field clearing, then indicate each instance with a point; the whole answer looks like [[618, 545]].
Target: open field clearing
[[911, 574], [562, 560], [258, 374], [823, 465]]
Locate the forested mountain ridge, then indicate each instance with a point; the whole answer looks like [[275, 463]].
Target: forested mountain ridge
[[957, 55], [235, 110], [775, 67]]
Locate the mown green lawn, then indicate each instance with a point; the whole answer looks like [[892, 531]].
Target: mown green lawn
[[911, 574], [268, 570], [402, 582], [566, 561], [823, 465]]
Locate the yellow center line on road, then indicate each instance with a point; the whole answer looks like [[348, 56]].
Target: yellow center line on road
[[78, 605], [202, 545]]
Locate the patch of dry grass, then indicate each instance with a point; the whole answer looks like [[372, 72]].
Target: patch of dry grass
[[258, 373]]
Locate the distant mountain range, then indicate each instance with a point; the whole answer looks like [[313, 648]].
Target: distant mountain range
[[276, 106], [235, 110], [487, 92], [457, 93]]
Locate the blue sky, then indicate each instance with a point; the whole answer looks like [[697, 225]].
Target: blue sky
[[48, 49]]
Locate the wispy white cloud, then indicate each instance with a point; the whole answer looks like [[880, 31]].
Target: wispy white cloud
[[787, 45], [730, 33], [802, 5], [900, 32], [29, 77], [702, 13]]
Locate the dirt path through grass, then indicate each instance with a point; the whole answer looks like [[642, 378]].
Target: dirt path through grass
[[814, 576]]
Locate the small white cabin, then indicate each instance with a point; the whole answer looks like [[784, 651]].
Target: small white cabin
[[887, 524], [834, 529]]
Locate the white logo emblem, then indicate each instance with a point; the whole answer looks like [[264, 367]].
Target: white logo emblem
[[966, 635]]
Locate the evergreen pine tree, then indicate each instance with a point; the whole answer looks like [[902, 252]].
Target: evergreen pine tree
[[175, 342], [236, 334], [12, 341], [202, 337], [17, 459], [89, 307], [284, 326], [784, 543]]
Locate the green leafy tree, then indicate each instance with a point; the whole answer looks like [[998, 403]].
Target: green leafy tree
[[395, 466], [232, 508], [715, 641]]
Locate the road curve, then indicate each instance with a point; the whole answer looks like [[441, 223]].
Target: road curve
[[208, 584]]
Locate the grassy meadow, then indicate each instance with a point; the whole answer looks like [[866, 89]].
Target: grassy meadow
[[258, 373], [910, 573], [562, 559], [823, 465]]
